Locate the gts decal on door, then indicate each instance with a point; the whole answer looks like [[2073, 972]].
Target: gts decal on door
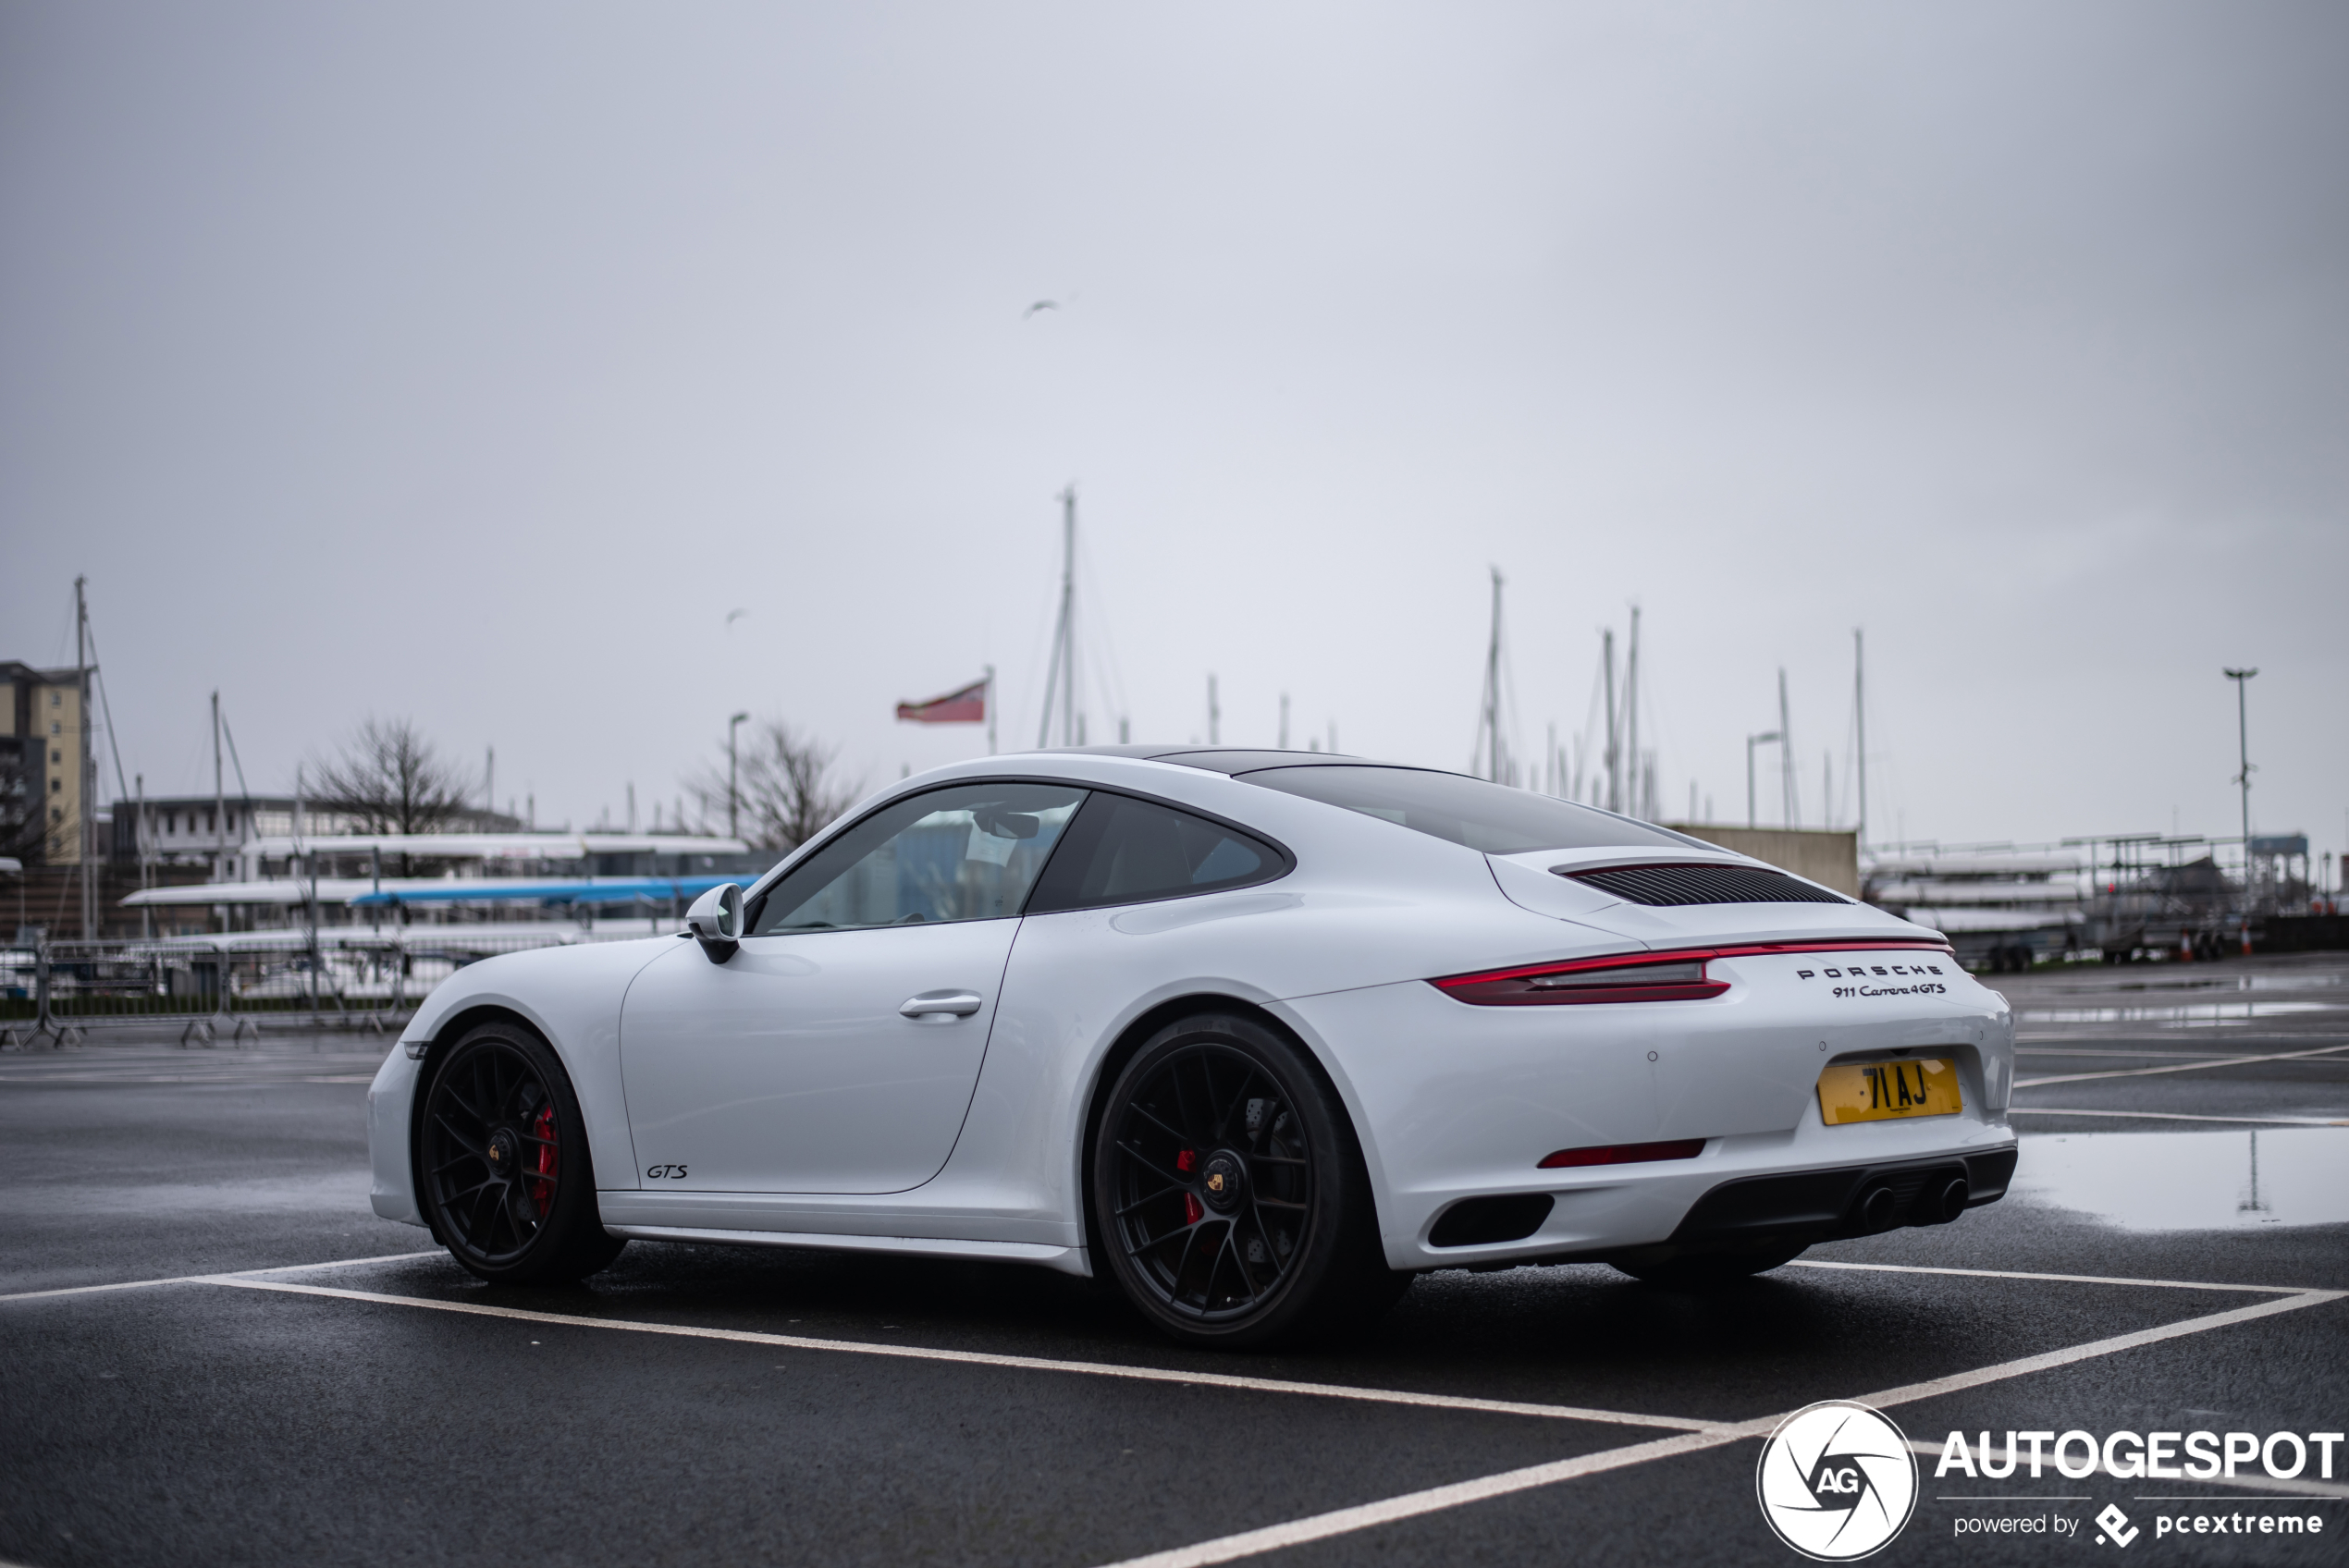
[[665, 1172]]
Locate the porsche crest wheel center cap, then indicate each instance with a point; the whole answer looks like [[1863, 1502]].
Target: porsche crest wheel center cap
[[1221, 1180], [503, 1147]]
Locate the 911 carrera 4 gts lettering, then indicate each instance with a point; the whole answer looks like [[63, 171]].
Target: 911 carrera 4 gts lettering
[[665, 1172]]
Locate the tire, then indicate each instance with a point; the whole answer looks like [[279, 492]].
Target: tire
[[504, 1175], [1703, 1270], [1232, 1205]]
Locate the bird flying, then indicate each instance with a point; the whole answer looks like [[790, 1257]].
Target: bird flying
[[734, 616], [1040, 305]]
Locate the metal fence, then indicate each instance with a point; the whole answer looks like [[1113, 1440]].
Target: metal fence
[[228, 988]]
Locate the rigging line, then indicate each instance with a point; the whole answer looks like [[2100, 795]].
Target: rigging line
[[105, 707], [122, 790], [1113, 687], [1507, 699], [1038, 640], [1850, 752], [1587, 741], [1654, 741], [1035, 640], [65, 633], [245, 795]]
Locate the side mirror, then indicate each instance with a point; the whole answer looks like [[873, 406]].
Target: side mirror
[[716, 921]]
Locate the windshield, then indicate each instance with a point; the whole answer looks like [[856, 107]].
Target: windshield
[[1490, 817]]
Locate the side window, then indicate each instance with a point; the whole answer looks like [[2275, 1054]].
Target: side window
[[1122, 850], [969, 852]]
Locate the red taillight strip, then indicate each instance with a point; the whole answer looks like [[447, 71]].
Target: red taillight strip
[[1459, 987], [1623, 1154]]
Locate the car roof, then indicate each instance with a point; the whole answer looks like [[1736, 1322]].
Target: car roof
[[1236, 760]]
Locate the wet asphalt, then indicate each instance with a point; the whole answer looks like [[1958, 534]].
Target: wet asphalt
[[197, 1423]]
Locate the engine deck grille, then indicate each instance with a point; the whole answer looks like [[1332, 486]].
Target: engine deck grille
[[1662, 885]]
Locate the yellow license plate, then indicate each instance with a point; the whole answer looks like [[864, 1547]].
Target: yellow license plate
[[1885, 1091]]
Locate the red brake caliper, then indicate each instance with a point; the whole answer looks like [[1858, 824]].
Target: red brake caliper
[[542, 1193], [1192, 1212]]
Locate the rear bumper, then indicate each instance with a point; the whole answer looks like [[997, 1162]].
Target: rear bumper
[[1458, 1106], [1819, 1205]]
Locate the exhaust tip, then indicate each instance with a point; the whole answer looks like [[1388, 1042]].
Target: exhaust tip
[[1877, 1209], [1949, 1201]]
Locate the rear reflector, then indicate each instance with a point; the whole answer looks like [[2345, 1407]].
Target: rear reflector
[[1624, 1154]]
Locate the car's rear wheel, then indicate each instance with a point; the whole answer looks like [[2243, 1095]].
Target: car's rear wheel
[[1696, 1270], [1231, 1199], [506, 1180]]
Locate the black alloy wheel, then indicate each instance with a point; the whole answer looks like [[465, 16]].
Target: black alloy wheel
[[1231, 1200], [504, 1172]]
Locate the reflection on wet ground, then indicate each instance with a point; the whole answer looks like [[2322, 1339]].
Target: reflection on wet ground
[[2191, 1181], [2178, 1015], [2204, 979]]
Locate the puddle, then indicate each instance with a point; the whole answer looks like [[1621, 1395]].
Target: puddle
[[2178, 1015], [2228, 983], [2191, 1181]]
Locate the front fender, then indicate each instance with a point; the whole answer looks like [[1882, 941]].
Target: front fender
[[572, 996]]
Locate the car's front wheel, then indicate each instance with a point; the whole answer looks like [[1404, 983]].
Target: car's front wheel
[[1231, 1199], [507, 1184]]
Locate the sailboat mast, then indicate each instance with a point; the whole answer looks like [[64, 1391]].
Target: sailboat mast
[[1860, 723], [219, 801], [1785, 752], [1635, 806], [1613, 757], [1068, 614], [86, 779], [1493, 689]]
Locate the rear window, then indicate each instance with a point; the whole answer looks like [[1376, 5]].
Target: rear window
[[1490, 817], [1122, 850]]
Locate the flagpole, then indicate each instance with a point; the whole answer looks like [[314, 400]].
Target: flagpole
[[991, 710]]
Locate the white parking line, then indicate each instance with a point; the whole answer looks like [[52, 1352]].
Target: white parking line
[[1690, 1436], [2147, 1055], [209, 1279], [985, 1358], [2183, 1067], [2179, 1116], [257, 1081], [2053, 1279], [1344, 1521]]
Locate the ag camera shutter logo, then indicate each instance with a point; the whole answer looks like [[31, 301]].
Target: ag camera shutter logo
[[1837, 1481]]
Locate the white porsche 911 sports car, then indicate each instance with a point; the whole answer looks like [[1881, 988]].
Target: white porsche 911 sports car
[[1259, 1035]]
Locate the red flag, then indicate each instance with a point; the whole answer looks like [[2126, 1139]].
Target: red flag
[[966, 706]]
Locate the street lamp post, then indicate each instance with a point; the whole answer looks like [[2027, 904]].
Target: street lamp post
[[734, 795], [2243, 755], [1750, 742]]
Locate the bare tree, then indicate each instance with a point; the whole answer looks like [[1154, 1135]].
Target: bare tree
[[785, 791], [388, 778]]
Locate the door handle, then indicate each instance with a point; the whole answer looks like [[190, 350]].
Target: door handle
[[957, 1004]]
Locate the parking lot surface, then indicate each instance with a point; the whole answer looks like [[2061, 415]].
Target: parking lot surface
[[216, 1353]]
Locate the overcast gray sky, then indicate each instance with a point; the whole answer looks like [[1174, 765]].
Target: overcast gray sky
[[471, 363]]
